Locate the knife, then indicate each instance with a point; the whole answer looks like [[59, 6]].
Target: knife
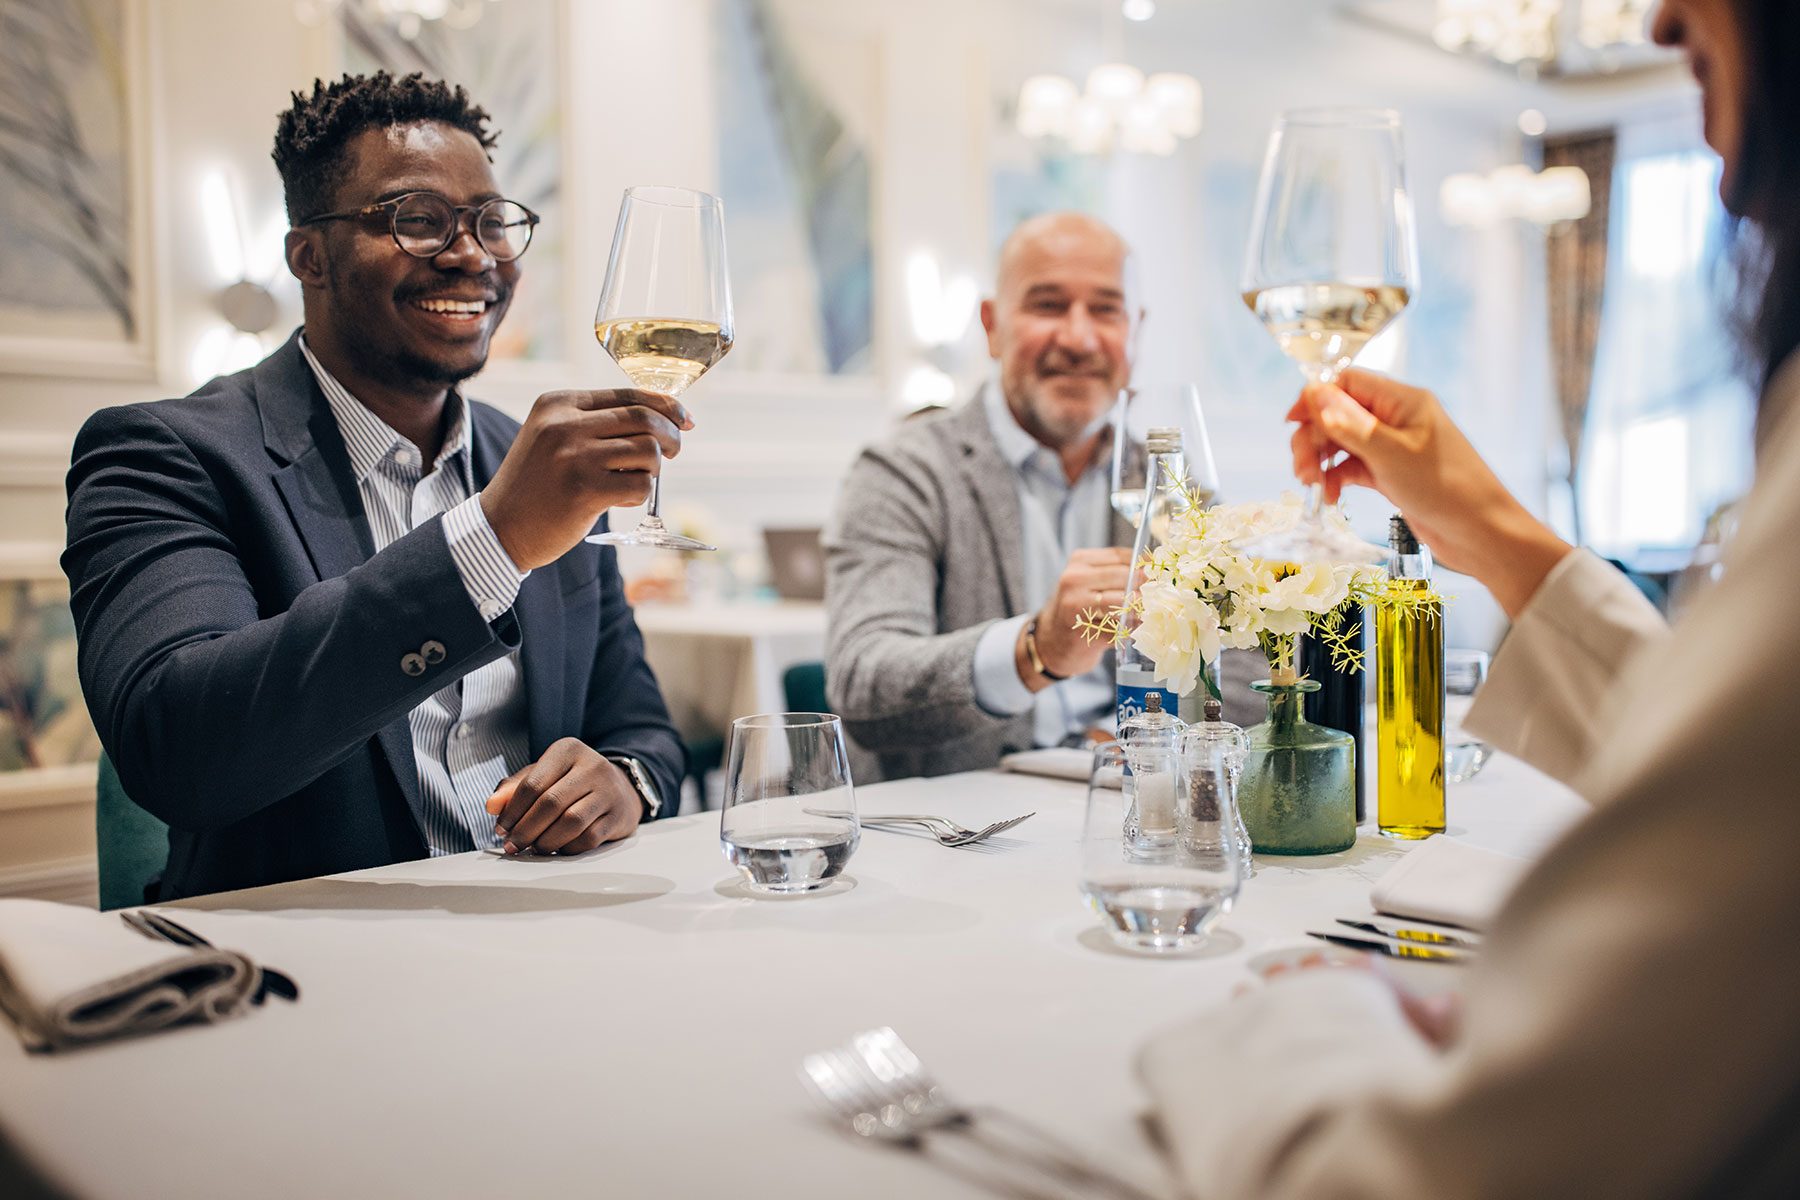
[[1393, 950], [1414, 935]]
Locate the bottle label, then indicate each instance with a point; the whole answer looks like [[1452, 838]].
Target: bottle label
[[1133, 701]]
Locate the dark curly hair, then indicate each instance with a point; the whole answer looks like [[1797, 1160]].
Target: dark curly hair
[[311, 136]]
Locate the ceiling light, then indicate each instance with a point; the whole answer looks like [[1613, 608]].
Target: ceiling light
[[1532, 123], [1138, 10]]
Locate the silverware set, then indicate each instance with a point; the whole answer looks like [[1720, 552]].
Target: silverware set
[[157, 927], [880, 1091], [946, 831], [1394, 940]]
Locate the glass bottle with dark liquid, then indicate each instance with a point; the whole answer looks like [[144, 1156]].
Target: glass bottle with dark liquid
[[1338, 703]]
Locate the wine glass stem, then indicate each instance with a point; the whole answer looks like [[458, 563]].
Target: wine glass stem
[[653, 505], [1315, 495]]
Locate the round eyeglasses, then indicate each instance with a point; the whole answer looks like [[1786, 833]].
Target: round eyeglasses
[[424, 224]]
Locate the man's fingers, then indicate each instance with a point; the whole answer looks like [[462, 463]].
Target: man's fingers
[[544, 812], [606, 398], [503, 791], [630, 423], [532, 782], [567, 825]]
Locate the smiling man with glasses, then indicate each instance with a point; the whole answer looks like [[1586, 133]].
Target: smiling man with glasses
[[332, 614]]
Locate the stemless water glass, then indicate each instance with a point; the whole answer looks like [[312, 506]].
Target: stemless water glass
[[789, 822], [1158, 897], [1464, 754]]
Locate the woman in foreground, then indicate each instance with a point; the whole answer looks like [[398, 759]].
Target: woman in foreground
[[1633, 1027]]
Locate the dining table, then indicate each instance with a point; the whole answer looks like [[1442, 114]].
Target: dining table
[[630, 1022]]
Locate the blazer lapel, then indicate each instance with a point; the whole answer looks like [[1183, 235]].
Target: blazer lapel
[[538, 608], [990, 481], [319, 489]]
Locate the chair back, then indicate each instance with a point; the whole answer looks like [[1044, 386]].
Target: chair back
[[803, 686], [132, 845]]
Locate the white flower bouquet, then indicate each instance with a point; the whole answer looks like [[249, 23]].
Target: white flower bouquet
[[1198, 593]]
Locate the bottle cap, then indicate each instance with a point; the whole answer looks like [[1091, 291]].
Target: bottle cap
[[1213, 709], [1153, 702], [1163, 440], [1401, 537]]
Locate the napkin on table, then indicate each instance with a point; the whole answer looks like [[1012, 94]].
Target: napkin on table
[[1058, 762], [72, 975], [1448, 883]]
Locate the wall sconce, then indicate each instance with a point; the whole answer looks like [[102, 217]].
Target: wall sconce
[[247, 305]]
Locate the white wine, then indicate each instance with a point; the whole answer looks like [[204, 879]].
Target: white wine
[[1326, 325], [662, 354]]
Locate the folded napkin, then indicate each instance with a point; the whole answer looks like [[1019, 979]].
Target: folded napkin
[[1448, 883], [1058, 762], [72, 975]]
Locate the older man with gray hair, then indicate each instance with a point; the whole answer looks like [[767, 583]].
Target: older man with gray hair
[[965, 545]]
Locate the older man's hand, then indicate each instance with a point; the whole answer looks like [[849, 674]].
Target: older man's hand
[[568, 801]]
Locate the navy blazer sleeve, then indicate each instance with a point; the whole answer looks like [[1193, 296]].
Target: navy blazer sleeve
[[211, 708]]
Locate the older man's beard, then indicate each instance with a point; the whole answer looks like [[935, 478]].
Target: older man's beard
[[1056, 424]]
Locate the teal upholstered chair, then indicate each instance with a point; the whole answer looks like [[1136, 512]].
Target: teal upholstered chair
[[133, 845], [804, 686]]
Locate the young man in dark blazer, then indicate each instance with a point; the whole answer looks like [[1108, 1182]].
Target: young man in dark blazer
[[331, 613]]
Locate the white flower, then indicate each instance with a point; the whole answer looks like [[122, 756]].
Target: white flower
[[1179, 631]]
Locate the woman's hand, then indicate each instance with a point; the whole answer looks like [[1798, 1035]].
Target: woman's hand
[[1400, 442]]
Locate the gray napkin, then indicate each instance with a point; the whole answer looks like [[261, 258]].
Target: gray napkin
[[72, 975]]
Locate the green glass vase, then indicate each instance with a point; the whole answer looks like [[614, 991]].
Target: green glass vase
[[1298, 792]]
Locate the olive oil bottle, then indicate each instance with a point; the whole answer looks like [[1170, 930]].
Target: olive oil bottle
[[1409, 696]]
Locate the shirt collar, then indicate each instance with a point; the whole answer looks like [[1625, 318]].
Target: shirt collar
[[1018, 448], [368, 439]]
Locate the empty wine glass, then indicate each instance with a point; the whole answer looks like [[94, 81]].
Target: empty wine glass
[[789, 821], [1138, 411], [665, 312], [1330, 263], [1163, 895]]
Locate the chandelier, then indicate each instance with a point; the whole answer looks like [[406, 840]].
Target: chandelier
[[407, 17], [1516, 193], [1117, 107], [1526, 31]]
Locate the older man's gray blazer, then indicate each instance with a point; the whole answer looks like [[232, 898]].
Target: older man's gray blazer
[[925, 552]]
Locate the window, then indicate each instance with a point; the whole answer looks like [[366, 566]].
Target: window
[[1670, 420]]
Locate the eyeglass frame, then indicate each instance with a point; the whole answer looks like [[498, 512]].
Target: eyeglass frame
[[392, 207]]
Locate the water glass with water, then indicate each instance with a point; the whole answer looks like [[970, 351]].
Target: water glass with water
[[789, 822], [1158, 897], [1464, 754]]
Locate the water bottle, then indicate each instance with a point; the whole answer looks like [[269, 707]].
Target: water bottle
[[1136, 674]]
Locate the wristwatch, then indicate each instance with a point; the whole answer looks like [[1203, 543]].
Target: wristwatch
[[1031, 652], [640, 779]]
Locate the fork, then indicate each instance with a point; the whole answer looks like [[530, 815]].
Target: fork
[[883, 1091], [946, 831], [155, 925]]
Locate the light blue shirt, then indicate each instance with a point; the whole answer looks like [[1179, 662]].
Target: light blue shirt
[[1058, 518], [472, 734]]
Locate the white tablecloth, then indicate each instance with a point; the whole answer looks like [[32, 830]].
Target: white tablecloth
[[629, 1023], [718, 661]]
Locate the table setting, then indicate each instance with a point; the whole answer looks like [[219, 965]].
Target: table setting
[[633, 998]]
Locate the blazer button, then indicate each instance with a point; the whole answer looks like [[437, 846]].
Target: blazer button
[[412, 664], [433, 652]]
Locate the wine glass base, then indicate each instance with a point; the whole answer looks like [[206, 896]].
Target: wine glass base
[[642, 536]]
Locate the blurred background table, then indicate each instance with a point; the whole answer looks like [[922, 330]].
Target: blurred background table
[[721, 659]]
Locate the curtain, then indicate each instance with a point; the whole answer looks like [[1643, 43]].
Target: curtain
[[1576, 282]]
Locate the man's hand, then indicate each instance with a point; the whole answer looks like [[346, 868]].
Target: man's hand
[[566, 802], [1093, 581], [578, 454]]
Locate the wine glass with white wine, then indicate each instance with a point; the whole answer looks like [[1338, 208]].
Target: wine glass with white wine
[[1331, 262], [665, 312]]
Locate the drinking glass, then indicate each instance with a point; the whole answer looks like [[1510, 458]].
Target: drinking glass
[[1330, 263], [1138, 411], [1157, 896], [665, 312], [789, 821], [1464, 754]]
